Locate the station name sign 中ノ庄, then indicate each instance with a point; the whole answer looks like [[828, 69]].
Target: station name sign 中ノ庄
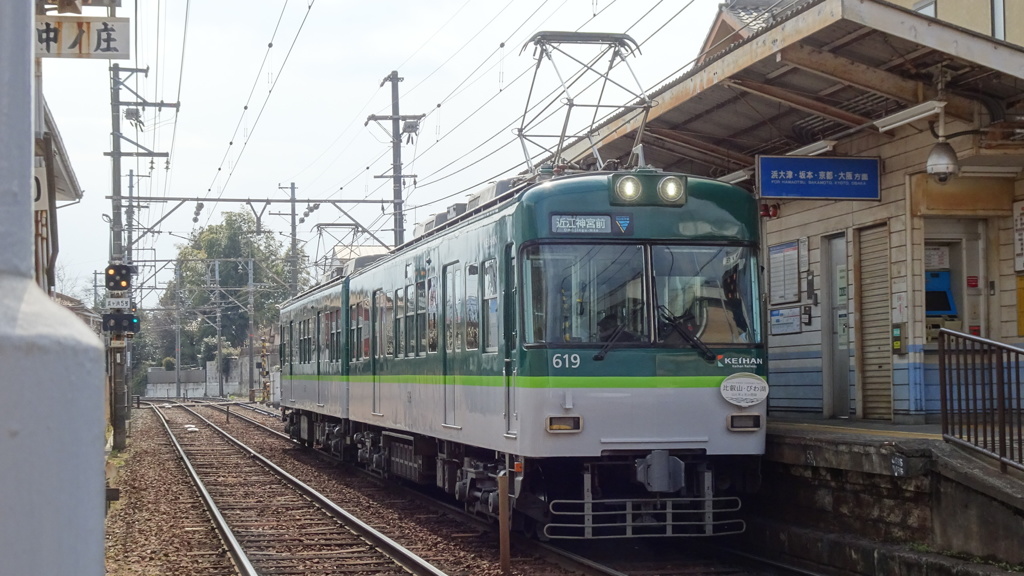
[[82, 37]]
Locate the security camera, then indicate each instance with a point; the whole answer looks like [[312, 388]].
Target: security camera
[[942, 162]]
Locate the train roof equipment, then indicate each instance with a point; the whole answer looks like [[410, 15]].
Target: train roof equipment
[[592, 85]]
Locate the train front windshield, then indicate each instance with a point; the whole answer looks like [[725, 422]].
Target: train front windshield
[[640, 294]]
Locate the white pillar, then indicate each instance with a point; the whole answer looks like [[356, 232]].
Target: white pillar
[[51, 365]]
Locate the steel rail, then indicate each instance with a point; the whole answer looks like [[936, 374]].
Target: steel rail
[[401, 555], [234, 548]]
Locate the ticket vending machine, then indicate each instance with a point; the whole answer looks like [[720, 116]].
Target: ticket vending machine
[[939, 303]]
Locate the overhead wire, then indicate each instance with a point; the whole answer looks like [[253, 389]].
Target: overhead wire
[[658, 30], [263, 107], [449, 196], [386, 214], [495, 135], [551, 94]]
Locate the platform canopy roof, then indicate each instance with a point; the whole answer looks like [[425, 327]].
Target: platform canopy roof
[[818, 71], [66, 183]]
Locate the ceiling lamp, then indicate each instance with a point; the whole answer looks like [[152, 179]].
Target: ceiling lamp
[[814, 149], [737, 176], [912, 114], [990, 171]]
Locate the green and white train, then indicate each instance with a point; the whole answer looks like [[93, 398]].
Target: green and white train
[[598, 338]]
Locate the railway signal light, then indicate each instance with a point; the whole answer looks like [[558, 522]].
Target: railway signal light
[[119, 277], [118, 322]]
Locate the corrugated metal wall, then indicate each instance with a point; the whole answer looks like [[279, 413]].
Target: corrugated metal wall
[[875, 323]]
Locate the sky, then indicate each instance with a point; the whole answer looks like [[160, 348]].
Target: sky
[[279, 91]]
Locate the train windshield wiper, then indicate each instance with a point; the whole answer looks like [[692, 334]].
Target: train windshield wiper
[[608, 344], [665, 314]]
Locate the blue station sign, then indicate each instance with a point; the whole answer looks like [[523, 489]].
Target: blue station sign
[[819, 177]]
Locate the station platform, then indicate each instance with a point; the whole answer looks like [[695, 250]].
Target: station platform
[[873, 497], [852, 428]]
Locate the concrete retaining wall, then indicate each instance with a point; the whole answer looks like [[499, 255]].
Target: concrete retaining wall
[[870, 507]]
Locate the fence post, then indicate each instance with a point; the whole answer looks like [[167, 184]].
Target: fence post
[[943, 401], [1001, 410]]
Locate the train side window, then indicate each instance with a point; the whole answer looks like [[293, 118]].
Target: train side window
[[490, 306], [421, 318], [328, 330], [472, 307], [388, 330], [353, 332], [400, 323], [336, 336], [377, 320], [431, 314], [448, 276], [410, 320], [282, 347], [322, 336], [364, 329]]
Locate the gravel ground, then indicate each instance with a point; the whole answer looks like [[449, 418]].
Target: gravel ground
[[159, 526]]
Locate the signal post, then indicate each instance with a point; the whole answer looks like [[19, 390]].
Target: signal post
[[122, 324]]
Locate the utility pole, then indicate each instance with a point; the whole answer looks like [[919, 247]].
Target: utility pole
[[118, 368], [220, 362], [116, 82], [293, 253], [411, 127], [252, 325], [177, 330]]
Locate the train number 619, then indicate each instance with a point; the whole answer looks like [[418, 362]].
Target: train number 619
[[565, 361]]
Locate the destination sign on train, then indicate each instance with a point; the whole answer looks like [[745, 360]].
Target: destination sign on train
[[613, 224]]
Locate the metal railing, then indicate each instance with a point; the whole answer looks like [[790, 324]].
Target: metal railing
[[981, 390]]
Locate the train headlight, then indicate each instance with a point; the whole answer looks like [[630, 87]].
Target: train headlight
[[563, 424], [628, 188], [744, 422], [671, 189]]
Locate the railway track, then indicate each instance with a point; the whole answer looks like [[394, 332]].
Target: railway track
[[270, 522], [530, 557]]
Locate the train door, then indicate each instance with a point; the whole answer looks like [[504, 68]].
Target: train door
[[451, 286], [836, 328], [509, 320], [287, 358]]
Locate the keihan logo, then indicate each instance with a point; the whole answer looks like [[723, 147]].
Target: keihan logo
[[737, 362]]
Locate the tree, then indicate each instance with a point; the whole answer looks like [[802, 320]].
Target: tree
[[214, 274]]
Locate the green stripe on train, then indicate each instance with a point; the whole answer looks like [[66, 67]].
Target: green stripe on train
[[542, 382]]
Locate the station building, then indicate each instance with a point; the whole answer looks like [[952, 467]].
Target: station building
[[886, 141]]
